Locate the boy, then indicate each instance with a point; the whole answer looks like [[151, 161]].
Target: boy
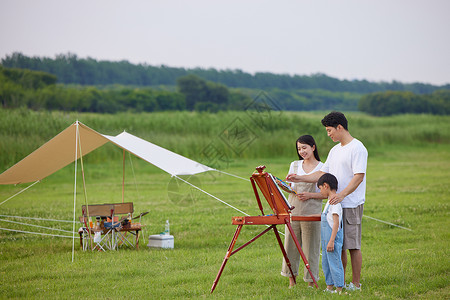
[[331, 235]]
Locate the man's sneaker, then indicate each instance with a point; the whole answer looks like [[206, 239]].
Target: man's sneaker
[[352, 287], [330, 291]]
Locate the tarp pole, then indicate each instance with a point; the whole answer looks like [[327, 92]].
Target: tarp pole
[[85, 191], [75, 191], [123, 177]]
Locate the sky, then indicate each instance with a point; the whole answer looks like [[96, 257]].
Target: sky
[[377, 40]]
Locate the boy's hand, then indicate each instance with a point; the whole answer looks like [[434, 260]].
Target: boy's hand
[[330, 246]]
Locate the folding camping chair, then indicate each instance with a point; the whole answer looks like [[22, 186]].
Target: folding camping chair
[[281, 215], [98, 237], [111, 234]]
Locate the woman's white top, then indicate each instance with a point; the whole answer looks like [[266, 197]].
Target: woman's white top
[[308, 207]]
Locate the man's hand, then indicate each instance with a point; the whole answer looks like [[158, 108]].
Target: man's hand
[[292, 177], [337, 198]]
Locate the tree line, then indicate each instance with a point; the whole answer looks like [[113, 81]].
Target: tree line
[[394, 102], [38, 90], [70, 69]]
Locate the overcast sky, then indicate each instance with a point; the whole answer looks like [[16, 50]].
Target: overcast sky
[[378, 40]]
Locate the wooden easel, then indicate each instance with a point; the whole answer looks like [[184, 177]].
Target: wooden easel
[[281, 215]]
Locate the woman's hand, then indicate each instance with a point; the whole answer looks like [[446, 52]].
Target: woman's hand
[[304, 196], [308, 195]]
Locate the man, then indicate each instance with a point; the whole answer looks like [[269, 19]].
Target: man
[[348, 162]]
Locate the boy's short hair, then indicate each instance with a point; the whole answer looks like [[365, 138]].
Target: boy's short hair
[[330, 179], [335, 118]]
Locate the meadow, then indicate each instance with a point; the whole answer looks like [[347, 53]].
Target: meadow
[[407, 185]]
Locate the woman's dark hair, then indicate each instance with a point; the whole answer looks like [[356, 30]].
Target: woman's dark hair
[[335, 118], [330, 179], [309, 140]]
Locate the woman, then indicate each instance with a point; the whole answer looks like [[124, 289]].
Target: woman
[[308, 201]]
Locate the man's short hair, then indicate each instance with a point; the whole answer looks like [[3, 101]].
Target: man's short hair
[[330, 179], [335, 118]]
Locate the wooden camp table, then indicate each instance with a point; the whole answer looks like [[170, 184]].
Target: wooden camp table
[[121, 234]]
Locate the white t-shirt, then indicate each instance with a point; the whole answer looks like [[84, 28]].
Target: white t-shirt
[[300, 171], [345, 161], [333, 209]]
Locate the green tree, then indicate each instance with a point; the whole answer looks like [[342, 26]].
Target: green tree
[[193, 88], [395, 102]]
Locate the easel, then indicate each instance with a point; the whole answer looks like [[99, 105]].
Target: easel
[[282, 215]]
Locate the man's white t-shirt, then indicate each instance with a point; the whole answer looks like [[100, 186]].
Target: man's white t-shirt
[[345, 161]]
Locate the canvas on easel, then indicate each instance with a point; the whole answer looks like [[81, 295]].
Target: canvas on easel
[[281, 209]]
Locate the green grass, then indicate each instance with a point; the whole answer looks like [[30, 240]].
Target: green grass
[[271, 134], [407, 186]]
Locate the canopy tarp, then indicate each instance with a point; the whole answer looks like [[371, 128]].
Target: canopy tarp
[[164, 159], [60, 151]]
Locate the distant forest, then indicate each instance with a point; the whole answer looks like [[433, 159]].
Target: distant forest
[[70, 69], [71, 83]]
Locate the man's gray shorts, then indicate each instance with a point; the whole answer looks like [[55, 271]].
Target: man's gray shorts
[[352, 227]]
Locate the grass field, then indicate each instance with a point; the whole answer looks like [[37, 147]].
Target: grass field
[[407, 185]]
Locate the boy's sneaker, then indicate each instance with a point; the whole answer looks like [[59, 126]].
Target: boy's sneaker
[[330, 291], [352, 287]]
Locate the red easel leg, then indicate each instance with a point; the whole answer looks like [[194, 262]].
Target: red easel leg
[[227, 255]]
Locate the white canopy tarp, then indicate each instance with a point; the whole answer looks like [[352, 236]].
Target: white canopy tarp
[[164, 159], [60, 151]]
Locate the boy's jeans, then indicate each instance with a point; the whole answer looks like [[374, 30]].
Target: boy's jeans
[[331, 261]]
